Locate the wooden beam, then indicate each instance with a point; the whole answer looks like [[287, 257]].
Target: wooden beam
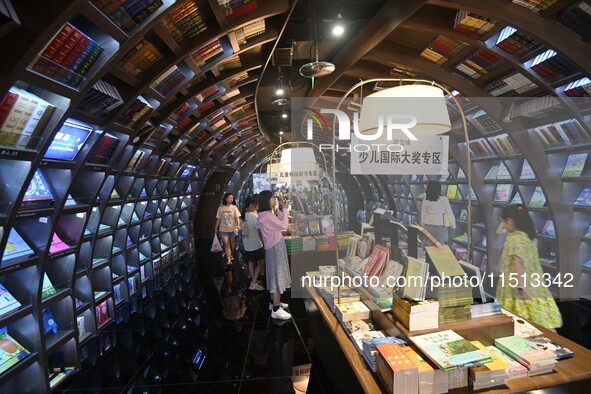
[[390, 16]]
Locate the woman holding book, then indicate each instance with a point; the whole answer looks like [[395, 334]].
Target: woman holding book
[[277, 266], [227, 223], [436, 214], [254, 252], [521, 290]]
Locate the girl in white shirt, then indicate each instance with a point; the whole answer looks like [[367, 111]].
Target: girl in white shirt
[[432, 210], [228, 224]]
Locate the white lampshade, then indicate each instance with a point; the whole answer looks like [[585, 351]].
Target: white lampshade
[[297, 155], [425, 102]]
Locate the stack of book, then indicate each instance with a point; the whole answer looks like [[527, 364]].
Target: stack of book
[[140, 58], [322, 242], [536, 360], [515, 42], [577, 18], [103, 151], [9, 20], [485, 121], [551, 66], [480, 148], [293, 243], [449, 350], [330, 295], [534, 108], [441, 49], [185, 22], [354, 326], [127, 14], [566, 132], [454, 301], [308, 243], [359, 337], [250, 31], [204, 95], [100, 99], [535, 5], [494, 373], [396, 370], [135, 161], [482, 309], [135, 112], [369, 348], [579, 88], [67, 57], [510, 85], [431, 380], [503, 145], [355, 310], [180, 112], [472, 24], [415, 279], [23, 117], [208, 52], [478, 64], [234, 8], [416, 315], [168, 81]]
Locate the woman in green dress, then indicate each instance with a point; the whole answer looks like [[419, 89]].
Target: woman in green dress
[[523, 286]]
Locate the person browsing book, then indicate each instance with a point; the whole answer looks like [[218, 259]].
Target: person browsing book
[[227, 223], [254, 252], [520, 259], [277, 266], [436, 214]]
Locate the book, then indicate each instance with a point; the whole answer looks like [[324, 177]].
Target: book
[[574, 165], [38, 193], [584, 198], [57, 245], [538, 200], [47, 288], [526, 171], [522, 327], [16, 247], [517, 199], [560, 352], [396, 370], [68, 141], [80, 322], [11, 352], [377, 261], [527, 353], [452, 192], [7, 302], [449, 350], [548, 229], [49, 323], [503, 193], [414, 289], [463, 214]]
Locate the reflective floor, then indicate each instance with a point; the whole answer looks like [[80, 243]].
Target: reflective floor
[[245, 350]]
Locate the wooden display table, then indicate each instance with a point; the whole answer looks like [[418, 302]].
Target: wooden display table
[[570, 370]]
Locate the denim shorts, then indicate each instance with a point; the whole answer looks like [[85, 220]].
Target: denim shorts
[[227, 233]]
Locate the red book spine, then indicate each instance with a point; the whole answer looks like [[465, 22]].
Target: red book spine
[[6, 105], [67, 47], [59, 39], [76, 51]]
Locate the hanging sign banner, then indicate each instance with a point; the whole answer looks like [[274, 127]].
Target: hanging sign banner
[[293, 172], [428, 155]]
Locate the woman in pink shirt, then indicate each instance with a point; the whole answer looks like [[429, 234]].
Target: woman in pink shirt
[[277, 266]]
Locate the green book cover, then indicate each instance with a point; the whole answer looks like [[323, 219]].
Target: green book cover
[[444, 261]]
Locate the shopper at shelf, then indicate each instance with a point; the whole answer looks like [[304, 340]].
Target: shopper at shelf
[[277, 266], [436, 214], [254, 252], [527, 296], [228, 224]]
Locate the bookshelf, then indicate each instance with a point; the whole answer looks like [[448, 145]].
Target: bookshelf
[[112, 229]]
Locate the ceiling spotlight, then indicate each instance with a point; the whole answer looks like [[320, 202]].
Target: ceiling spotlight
[[279, 87], [338, 29], [280, 102], [284, 115], [281, 133]]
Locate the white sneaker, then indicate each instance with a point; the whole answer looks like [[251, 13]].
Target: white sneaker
[[281, 304], [281, 314]]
